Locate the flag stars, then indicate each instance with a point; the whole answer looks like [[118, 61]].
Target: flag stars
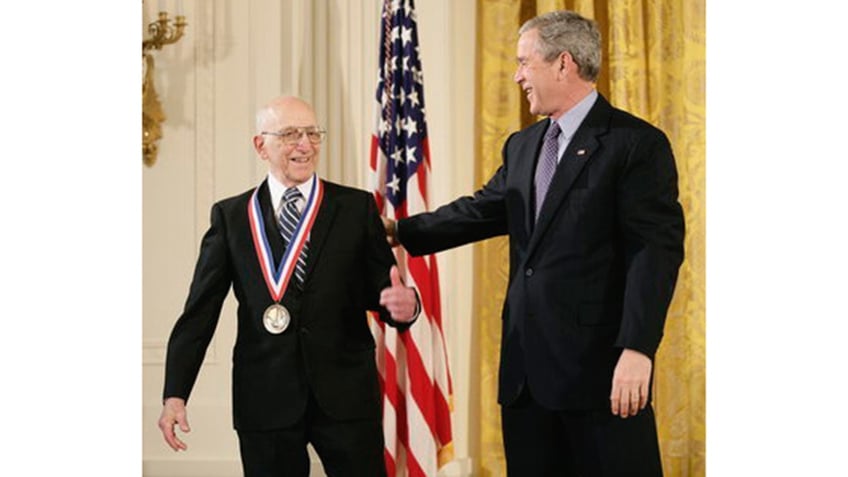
[[397, 156], [402, 126], [394, 6], [413, 98], [406, 35], [410, 126], [384, 127], [394, 185]]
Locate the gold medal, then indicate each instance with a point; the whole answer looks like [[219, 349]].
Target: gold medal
[[276, 319]]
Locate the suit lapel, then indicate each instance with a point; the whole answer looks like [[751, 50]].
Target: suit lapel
[[320, 229], [579, 152], [530, 148], [272, 230]]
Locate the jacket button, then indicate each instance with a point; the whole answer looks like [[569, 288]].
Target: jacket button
[[528, 272]]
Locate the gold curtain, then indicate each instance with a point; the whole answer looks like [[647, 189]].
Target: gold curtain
[[654, 67]]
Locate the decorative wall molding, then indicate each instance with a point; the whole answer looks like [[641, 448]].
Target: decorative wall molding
[[153, 353]]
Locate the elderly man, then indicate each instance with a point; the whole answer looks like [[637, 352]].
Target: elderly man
[[306, 259]]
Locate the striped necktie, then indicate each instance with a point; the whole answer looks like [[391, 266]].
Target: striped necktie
[[547, 165], [289, 216]]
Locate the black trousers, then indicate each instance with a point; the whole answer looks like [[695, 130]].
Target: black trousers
[[542, 443], [350, 448]]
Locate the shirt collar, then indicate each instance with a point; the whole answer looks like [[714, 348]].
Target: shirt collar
[[570, 121], [277, 190]]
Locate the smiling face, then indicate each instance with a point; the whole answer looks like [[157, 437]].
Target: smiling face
[[291, 164], [540, 80]]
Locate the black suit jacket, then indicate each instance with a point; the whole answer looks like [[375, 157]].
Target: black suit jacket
[[328, 347], [597, 271]]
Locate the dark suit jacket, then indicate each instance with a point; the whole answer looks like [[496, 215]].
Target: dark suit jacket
[[328, 347], [595, 274]]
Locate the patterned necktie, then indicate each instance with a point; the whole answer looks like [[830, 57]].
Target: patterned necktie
[[547, 165], [289, 216]]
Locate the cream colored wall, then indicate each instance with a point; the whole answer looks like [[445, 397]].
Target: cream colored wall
[[234, 56]]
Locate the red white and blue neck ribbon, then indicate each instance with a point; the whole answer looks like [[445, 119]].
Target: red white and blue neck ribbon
[[277, 277]]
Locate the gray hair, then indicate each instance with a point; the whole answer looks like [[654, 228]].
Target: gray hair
[[568, 31]]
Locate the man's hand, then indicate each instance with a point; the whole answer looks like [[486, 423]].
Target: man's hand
[[630, 383], [174, 412], [391, 231], [401, 301]]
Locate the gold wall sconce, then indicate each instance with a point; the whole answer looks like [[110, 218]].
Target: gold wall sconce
[[162, 32]]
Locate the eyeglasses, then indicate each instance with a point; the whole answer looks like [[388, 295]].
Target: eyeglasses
[[291, 136]]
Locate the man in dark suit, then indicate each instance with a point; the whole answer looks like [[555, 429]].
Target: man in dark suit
[[588, 197], [306, 259]]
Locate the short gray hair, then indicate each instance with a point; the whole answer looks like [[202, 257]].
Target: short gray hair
[[568, 31]]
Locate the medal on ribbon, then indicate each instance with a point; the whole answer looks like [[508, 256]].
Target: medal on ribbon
[[276, 317]]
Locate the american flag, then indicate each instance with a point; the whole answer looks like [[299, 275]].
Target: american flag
[[414, 373]]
